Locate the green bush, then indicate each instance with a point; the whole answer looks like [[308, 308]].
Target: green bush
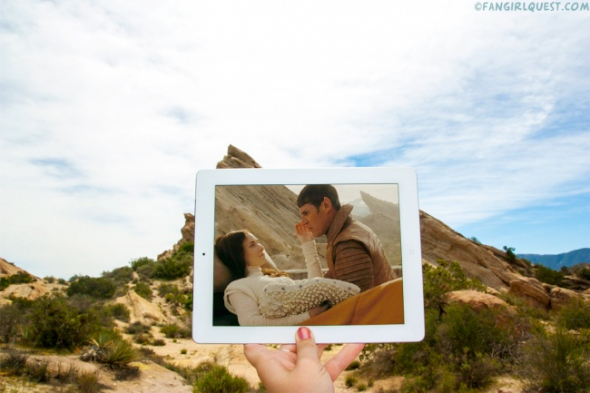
[[144, 290], [11, 317], [87, 382], [548, 275], [54, 323], [462, 349], [137, 328], [174, 331], [213, 378], [100, 288], [178, 265], [584, 273], [119, 311], [18, 278], [557, 363], [168, 289], [575, 315], [140, 262], [350, 381], [119, 276], [445, 278]]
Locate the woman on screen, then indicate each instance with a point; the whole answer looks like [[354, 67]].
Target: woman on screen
[[252, 293]]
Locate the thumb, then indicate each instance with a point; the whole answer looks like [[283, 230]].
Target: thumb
[[306, 347]]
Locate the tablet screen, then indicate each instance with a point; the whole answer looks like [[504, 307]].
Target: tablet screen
[[346, 273]]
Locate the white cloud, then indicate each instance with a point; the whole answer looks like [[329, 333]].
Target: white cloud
[[109, 109]]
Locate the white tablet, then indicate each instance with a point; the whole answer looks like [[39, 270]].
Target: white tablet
[[354, 273]]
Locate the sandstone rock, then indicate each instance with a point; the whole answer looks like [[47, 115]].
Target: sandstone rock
[[236, 158], [532, 291], [477, 261], [561, 297], [478, 300], [140, 309], [29, 291], [8, 269]]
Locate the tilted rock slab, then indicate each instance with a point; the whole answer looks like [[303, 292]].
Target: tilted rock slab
[[532, 291], [477, 261]]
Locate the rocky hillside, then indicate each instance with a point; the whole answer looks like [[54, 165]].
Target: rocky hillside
[[271, 214]]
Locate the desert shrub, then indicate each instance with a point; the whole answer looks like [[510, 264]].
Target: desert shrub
[[172, 330], [119, 276], [119, 311], [38, 371], [4, 283], [140, 262], [54, 323], [21, 278], [87, 382], [137, 328], [100, 288], [178, 265], [548, 275], [18, 278], [584, 273], [127, 373], [168, 289], [353, 365], [575, 315], [15, 363], [557, 363], [188, 247], [11, 316], [146, 272], [158, 342], [445, 278], [144, 290], [142, 338], [350, 381], [510, 255], [462, 349], [213, 378]]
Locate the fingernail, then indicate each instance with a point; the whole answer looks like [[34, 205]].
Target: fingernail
[[304, 333]]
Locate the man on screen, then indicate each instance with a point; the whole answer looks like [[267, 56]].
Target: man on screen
[[354, 253]]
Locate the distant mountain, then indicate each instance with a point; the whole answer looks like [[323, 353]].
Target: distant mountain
[[558, 261]]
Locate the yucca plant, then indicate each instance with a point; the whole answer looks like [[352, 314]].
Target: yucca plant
[[120, 354]]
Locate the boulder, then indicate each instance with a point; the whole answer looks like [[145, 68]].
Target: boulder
[[532, 291], [29, 291], [140, 309], [478, 300], [561, 297]]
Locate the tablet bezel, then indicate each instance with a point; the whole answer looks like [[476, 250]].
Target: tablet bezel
[[206, 180]]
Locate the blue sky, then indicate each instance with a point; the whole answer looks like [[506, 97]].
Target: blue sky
[[108, 109]]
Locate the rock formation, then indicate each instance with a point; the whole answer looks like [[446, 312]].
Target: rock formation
[[140, 309], [478, 300]]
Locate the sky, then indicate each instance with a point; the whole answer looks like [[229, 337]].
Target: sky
[[109, 108]]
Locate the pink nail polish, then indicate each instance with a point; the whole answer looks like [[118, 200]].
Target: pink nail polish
[[304, 333]]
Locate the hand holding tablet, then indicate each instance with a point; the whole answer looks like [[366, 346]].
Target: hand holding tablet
[[365, 225]]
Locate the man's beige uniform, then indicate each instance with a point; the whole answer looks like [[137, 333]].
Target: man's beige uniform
[[354, 253]]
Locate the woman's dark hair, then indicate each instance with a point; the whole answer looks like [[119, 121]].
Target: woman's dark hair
[[230, 250], [315, 193]]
